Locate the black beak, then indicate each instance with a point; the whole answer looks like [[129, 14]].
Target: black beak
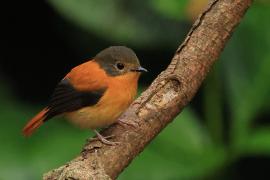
[[140, 69]]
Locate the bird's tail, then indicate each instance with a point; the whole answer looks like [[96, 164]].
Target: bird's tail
[[35, 123]]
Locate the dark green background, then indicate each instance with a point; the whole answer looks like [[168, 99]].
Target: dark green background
[[223, 134]]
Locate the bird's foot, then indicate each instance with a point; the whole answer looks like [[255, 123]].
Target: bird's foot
[[123, 123], [97, 139], [104, 139]]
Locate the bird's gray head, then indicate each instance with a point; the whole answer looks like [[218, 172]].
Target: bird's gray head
[[118, 60]]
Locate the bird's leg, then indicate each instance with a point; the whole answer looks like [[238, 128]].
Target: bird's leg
[[104, 139], [97, 138]]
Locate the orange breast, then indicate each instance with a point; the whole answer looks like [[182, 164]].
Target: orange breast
[[120, 93]]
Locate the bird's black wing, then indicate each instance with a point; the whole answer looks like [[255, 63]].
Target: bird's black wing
[[67, 99]]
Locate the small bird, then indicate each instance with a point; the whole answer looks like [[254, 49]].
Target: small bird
[[94, 94]]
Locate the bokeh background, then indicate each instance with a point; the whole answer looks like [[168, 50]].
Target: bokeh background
[[223, 134]]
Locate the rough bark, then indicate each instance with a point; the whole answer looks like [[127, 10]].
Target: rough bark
[[170, 92]]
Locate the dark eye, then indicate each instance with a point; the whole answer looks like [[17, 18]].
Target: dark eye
[[120, 66]]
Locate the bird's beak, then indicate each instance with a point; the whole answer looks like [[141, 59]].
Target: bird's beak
[[140, 69]]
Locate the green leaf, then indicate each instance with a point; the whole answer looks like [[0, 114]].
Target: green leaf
[[172, 9], [246, 63], [213, 104], [258, 142]]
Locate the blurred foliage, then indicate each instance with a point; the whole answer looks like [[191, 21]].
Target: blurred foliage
[[193, 146], [173, 9], [140, 23]]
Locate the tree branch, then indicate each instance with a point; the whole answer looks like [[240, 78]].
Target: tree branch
[[163, 100]]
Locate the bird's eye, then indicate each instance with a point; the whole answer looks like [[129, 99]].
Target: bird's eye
[[120, 66]]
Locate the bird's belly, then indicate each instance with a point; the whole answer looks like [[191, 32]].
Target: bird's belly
[[100, 115]]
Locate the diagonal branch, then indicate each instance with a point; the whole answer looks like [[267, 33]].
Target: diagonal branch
[[170, 92]]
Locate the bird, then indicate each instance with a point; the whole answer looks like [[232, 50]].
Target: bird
[[95, 93]]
